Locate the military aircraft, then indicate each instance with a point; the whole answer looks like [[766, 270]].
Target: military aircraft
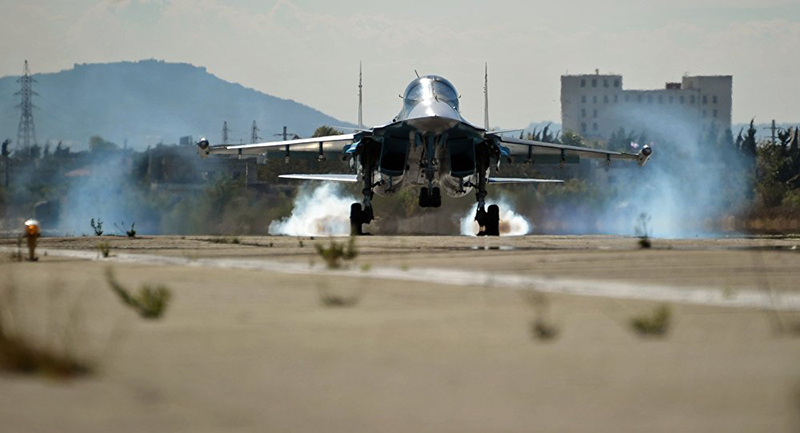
[[428, 144]]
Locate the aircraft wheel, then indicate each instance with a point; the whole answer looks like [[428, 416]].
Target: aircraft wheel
[[424, 200], [480, 218], [493, 220], [436, 198], [356, 219]]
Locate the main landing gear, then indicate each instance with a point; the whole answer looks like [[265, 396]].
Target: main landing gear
[[358, 217], [488, 220]]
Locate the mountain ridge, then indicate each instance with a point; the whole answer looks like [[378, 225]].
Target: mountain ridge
[[146, 102]]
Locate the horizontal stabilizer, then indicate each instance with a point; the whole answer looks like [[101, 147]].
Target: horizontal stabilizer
[[325, 177], [522, 180]]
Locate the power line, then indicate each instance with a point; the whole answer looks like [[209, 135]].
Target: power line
[[285, 134], [26, 131], [254, 133]]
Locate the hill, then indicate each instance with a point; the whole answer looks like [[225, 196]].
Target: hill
[[147, 102]]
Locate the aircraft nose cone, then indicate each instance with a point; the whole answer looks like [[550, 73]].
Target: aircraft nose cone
[[433, 108], [433, 116]]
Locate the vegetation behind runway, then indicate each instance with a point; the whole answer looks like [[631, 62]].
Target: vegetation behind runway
[[168, 189]]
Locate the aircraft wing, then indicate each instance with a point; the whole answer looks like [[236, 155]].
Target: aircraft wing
[[324, 177], [316, 144], [521, 180], [539, 147]]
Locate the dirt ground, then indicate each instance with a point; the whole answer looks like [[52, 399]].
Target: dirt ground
[[254, 349]]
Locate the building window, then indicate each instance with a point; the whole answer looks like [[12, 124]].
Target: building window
[[594, 99], [583, 127], [605, 83], [616, 99], [583, 82], [649, 99], [594, 113], [715, 114], [714, 99], [583, 99], [594, 126], [605, 99], [594, 82], [583, 112], [682, 99], [660, 99], [616, 83], [691, 99], [704, 114], [705, 99]]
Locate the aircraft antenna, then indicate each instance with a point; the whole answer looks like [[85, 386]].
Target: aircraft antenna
[[26, 131], [360, 99], [416, 73], [486, 96]]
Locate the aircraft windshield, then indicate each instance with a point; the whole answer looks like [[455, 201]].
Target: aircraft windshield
[[427, 88]]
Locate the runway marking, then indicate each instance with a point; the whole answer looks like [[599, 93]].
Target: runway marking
[[746, 298]]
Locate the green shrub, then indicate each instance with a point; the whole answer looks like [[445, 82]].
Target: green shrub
[[642, 230], [97, 226], [150, 301], [20, 354], [330, 299], [655, 324], [336, 252], [542, 330]]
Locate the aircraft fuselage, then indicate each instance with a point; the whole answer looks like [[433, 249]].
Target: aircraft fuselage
[[428, 143]]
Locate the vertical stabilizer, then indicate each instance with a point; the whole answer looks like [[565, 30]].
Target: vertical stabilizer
[[360, 99], [486, 96]]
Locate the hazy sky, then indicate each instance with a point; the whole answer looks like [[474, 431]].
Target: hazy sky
[[309, 50]]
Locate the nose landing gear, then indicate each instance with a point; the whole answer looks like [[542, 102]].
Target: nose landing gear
[[430, 199]]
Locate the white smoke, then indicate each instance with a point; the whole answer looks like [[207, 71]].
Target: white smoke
[[323, 211], [511, 223]]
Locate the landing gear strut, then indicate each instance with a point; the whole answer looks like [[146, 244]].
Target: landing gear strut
[[488, 221], [364, 215]]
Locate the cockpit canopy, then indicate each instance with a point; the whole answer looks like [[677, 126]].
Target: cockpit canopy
[[431, 87]]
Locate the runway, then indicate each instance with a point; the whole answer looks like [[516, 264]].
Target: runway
[[765, 297], [440, 339]]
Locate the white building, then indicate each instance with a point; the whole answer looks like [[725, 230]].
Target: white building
[[597, 105]]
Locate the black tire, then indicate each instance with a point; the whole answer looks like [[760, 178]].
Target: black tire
[[356, 219], [480, 218], [493, 220], [423, 197], [436, 198]]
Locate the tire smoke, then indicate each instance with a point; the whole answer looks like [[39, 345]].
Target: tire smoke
[[321, 211]]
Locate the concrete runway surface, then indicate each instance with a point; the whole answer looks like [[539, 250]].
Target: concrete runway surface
[[440, 339]]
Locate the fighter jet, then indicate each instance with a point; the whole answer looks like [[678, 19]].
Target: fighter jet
[[427, 145]]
